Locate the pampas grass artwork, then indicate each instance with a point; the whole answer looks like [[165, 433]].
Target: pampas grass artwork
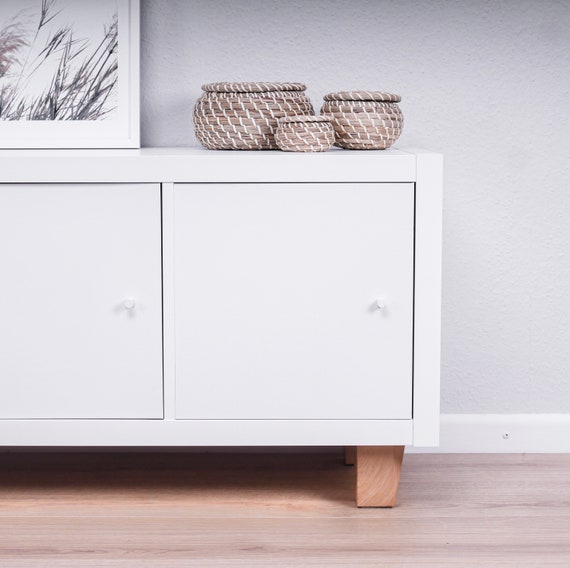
[[58, 60]]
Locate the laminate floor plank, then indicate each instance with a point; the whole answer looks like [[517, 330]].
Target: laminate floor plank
[[294, 509]]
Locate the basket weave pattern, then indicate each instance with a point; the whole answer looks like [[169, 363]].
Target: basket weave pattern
[[243, 116], [305, 134], [364, 120], [258, 87]]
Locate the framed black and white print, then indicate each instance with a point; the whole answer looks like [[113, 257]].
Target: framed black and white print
[[69, 74]]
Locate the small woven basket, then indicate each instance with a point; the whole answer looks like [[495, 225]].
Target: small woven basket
[[364, 120], [243, 116], [305, 134]]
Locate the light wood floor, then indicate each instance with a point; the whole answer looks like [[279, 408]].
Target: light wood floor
[[175, 510]]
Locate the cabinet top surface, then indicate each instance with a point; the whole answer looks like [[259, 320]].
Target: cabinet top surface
[[201, 165]]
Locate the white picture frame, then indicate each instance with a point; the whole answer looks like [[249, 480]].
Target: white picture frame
[[117, 128]]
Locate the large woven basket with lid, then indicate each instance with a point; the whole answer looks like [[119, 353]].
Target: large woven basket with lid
[[364, 120], [243, 116]]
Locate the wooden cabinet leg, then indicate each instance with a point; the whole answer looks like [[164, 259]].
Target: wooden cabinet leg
[[349, 455], [378, 475]]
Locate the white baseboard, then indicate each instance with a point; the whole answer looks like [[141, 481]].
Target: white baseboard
[[502, 433]]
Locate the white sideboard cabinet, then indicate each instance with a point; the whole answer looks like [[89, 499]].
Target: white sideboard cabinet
[[184, 297]]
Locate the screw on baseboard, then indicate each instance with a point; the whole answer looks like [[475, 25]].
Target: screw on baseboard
[[506, 435]]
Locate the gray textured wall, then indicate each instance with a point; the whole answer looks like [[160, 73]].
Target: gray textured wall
[[485, 82]]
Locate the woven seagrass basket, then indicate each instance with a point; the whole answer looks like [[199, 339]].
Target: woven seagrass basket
[[305, 134], [243, 116], [364, 120]]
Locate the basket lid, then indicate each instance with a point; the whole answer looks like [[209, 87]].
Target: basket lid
[[363, 96], [304, 118], [252, 87]]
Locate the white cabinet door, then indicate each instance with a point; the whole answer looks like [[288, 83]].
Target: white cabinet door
[[294, 301], [80, 301]]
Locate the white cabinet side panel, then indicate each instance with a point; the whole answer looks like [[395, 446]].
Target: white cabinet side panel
[[275, 299], [427, 329], [80, 301]]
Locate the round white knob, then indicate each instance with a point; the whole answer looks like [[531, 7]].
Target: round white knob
[[129, 304], [380, 303]]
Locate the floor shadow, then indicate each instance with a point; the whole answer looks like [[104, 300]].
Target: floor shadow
[[320, 475]]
